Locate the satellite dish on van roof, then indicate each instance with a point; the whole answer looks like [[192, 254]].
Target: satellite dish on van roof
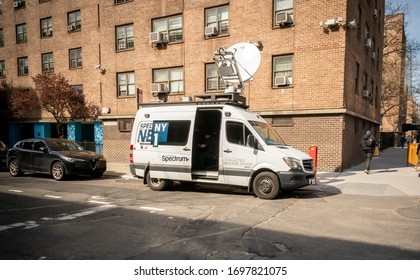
[[238, 63]]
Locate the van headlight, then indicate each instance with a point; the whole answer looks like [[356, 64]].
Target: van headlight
[[293, 163]]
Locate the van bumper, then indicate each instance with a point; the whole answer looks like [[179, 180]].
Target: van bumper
[[292, 180]]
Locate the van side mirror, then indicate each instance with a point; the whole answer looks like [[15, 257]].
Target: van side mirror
[[251, 141]]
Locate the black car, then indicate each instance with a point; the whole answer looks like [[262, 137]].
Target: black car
[[3, 154], [58, 157]]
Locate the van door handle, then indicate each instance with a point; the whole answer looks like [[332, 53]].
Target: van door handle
[[227, 151], [186, 149]]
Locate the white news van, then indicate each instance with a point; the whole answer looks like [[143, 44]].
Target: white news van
[[167, 145]]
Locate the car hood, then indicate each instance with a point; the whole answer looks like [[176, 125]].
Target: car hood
[[87, 155]]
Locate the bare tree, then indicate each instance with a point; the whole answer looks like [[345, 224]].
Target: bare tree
[[395, 67], [53, 94]]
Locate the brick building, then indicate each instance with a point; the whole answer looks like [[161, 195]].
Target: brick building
[[319, 81]]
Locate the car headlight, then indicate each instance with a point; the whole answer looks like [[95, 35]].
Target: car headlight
[[70, 159], [293, 163]]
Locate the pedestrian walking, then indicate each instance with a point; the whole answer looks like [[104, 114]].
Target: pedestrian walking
[[368, 144]]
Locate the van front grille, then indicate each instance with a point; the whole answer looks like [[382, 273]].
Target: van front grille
[[308, 165]]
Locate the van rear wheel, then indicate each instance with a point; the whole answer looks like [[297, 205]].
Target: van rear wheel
[[266, 185], [156, 184]]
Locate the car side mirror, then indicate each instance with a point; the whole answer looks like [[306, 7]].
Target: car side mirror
[[251, 141]]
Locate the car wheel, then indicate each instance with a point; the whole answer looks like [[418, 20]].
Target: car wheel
[[266, 185], [156, 184], [57, 171], [14, 168]]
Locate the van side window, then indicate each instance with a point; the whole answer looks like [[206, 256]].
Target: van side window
[[177, 134], [236, 133]]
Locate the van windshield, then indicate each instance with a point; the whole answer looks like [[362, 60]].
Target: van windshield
[[267, 133]]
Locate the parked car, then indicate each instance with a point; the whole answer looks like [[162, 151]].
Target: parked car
[[3, 154], [58, 157]]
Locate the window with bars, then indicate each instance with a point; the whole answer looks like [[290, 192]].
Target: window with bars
[[74, 22], [125, 37], [171, 27], [173, 77], [75, 58], [218, 18], [2, 69], [47, 62], [23, 69], [46, 27], [282, 70], [213, 80], [126, 84], [21, 35]]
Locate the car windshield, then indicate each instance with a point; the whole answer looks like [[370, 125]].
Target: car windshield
[[63, 145], [267, 133]]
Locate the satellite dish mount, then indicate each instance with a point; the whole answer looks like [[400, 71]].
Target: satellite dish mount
[[236, 65]]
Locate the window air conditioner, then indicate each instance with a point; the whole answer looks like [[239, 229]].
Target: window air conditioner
[[373, 56], [282, 18], [368, 43], [210, 31], [281, 81], [47, 33], [367, 94], [159, 88], [105, 110], [71, 27], [157, 37]]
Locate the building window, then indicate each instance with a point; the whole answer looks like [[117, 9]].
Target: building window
[[283, 12], [371, 92], [171, 27], [47, 62], [2, 69], [122, 1], [75, 58], [218, 18], [23, 66], [126, 85], [74, 22], [282, 70], [365, 85], [21, 36], [356, 78], [46, 27], [1, 7], [173, 77], [359, 21], [1, 38], [125, 37], [77, 89], [213, 80], [125, 125]]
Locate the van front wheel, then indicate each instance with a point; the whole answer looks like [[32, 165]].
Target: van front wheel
[[156, 184], [266, 185]]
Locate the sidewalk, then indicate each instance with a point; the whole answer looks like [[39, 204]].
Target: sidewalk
[[389, 176]]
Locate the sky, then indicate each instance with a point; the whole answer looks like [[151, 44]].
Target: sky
[[412, 19]]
